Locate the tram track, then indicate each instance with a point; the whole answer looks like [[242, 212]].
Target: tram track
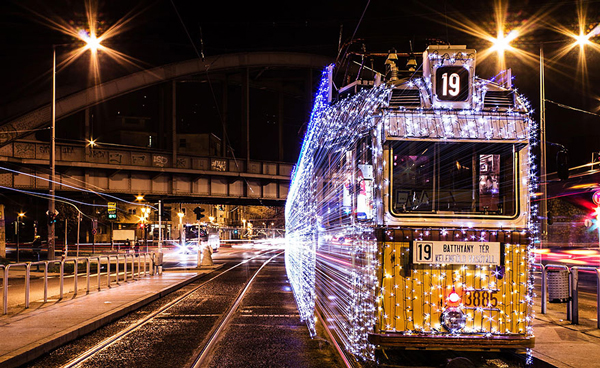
[[122, 336], [201, 358]]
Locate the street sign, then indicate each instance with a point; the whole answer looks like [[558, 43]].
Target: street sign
[[112, 210]]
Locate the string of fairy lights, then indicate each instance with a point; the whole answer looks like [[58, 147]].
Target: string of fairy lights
[[360, 278]]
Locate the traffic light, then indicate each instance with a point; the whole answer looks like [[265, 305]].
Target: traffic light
[[165, 213], [112, 210], [562, 164], [52, 217], [198, 211]]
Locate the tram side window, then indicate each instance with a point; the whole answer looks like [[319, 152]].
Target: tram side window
[[364, 180], [412, 177], [477, 178]]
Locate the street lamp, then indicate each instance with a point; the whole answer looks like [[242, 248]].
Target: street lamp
[[18, 231], [180, 215], [93, 44], [145, 216], [580, 40]]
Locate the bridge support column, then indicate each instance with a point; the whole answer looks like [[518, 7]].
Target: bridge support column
[[246, 115], [174, 141], [280, 113], [224, 139]]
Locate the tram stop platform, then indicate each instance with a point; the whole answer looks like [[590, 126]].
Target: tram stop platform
[[559, 343], [30, 333]]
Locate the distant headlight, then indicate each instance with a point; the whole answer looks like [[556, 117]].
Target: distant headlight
[[453, 319]]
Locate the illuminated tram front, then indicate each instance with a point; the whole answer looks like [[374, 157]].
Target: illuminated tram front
[[409, 220]]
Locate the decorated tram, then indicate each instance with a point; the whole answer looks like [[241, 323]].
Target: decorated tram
[[409, 222]]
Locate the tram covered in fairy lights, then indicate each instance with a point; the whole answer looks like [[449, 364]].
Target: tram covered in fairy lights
[[408, 220]]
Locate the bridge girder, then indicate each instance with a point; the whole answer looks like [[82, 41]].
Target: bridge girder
[[21, 126]]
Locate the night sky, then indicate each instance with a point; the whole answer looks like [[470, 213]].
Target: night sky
[[165, 31]]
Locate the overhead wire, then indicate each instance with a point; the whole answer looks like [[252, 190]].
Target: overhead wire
[[60, 199], [571, 108], [200, 55], [77, 188]]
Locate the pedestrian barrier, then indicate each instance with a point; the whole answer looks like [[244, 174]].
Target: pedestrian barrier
[[148, 264], [573, 289]]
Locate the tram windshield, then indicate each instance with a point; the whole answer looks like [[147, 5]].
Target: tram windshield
[[466, 178]]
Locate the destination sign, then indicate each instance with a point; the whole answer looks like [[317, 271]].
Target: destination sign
[[456, 252]]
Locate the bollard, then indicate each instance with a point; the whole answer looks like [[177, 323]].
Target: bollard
[[75, 276], [46, 282], [5, 289], [574, 296], [87, 272], [597, 297], [27, 283], [99, 264], [544, 290], [159, 262], [207, 256], [117, 270], [62, 278], [108, 271]]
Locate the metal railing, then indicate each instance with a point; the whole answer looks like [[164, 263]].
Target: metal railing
[[573, 285], [148, 264]]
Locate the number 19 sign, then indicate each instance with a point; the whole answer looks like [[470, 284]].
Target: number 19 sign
[[456, 252], [452, 83]]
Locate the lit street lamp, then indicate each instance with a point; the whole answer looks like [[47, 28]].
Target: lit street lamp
[[502, 44], [180, 215], [580, 40], [18, 231], [145, 216], [93, 44]]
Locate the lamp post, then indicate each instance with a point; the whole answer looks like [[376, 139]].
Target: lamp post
[[544, 203], [19, 219], [93, 44], [51, 203], [145, 217], [580, 40], [159, 226], [180, 215]]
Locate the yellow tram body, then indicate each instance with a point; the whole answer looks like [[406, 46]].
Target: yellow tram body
[[412, 298]]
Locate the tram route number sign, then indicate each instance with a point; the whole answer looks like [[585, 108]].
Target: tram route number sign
[[452, 83], [456, 252]]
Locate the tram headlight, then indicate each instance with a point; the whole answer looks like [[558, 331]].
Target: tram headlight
[[453, 319]]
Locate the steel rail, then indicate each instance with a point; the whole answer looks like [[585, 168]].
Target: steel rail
[[338, 348], [123, 333], [214, 335]]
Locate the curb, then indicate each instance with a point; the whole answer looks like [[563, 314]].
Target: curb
[[34, 350]]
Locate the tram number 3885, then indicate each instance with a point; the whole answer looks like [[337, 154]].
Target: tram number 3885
[[481, 298]]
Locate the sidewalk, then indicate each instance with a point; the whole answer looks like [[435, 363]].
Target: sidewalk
[[562, 344], [43, 327]]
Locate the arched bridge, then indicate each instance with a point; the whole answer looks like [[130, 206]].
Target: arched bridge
[[178, 162]]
